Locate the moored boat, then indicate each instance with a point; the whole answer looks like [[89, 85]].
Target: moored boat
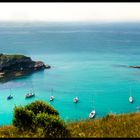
[[75, 100], [29, 95], [51, 98], [130, 99], [9, 97], [92, 114]]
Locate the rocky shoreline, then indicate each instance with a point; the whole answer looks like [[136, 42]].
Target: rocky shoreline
[[12, 66], [134, 66]]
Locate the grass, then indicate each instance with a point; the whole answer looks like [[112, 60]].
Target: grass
[[14, 56], [124, 125]]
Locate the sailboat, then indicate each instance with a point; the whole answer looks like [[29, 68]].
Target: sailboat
[[52, 97], [92, 113], [130, 98], [75, 100], [10, 96], [30, 94]]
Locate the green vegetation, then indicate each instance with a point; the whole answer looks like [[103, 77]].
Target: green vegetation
[[124, 125], [16, 65], [14, 56], [39, 119]]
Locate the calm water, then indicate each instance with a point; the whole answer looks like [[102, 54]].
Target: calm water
[[88, 61]]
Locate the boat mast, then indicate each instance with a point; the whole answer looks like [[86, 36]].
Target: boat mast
[[10, 91], [130, 91], [92, 102], [51, 91], [32, 88]]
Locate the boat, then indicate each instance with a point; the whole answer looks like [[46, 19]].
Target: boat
[[75, 100], [9, 97], [92, 114], [130, 99], [51, 98], [29, 95]]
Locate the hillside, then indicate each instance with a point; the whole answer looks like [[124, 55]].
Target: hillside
[[12, 66], [124, 125]]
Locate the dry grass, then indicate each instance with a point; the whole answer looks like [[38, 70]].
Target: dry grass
[[124, 125]]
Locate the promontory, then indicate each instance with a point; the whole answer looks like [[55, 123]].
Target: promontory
[[12, 66]]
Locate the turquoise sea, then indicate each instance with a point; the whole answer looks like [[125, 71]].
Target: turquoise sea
[[88, 60]]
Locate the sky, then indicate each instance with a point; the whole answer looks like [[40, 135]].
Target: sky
[[90, 12]]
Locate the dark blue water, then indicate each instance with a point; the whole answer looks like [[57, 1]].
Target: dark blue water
[[88, 60]]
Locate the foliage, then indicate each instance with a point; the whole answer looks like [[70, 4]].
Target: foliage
[[41, 119], [124, 125], [40, 107], [51, 126], [23, 118], [14, 56]]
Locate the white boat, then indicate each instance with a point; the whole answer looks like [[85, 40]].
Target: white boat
[[29, 95], [51, 98], [92, 114], [130, 99], [75, 100]]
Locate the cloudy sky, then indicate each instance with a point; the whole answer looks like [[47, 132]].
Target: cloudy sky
[[89, 12]]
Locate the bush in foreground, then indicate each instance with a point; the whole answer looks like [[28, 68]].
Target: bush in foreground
[[50, 126], [40, 119], [41, 107]]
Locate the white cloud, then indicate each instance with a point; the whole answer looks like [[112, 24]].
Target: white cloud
[[69, 11]]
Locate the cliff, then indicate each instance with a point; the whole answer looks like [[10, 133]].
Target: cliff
[[12, 66], [134, 66]]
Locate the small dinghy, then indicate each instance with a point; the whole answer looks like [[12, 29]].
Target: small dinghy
[[75, 100], [9, 97], [130, 99], [92, 114], [51, 98], [29, 95]]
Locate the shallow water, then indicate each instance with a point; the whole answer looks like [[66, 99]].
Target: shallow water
[[88, 61]]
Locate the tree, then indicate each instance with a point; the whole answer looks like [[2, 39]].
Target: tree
[[40, 118]]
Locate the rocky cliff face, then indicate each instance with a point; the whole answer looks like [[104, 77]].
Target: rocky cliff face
[[17, 65], [134, 66]]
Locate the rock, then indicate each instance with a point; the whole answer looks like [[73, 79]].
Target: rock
[[12, 66], [47, 66], [134, 66]]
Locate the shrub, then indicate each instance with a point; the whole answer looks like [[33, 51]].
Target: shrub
[[40, 107], [23, 118], [41, 118], [51, 126]]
